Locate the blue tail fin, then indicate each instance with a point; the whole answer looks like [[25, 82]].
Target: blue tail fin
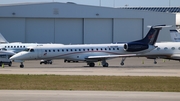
[[152, 35]]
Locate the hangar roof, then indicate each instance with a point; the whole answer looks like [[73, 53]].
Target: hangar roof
[[156, 9], [69, 10]]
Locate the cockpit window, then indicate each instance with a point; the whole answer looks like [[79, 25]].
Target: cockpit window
[[4, 49], [26, 49], [31, 50]]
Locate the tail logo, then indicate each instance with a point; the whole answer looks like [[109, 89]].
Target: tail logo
[[150, 36], [45, 54]]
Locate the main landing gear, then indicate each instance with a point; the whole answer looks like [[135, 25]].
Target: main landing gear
[[46, 61], [104, 64], [91, 64], [155, 62], [122, 61], [21, 65]]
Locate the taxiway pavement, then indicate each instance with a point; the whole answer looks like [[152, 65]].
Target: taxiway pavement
[[48, 95], [132, 67]]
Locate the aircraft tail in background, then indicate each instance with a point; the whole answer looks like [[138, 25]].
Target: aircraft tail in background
[[2, 39]]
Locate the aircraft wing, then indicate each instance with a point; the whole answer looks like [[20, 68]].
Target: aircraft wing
[[110, 56], [175, 56]]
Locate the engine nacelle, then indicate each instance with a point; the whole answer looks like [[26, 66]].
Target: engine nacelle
[[136, 47]]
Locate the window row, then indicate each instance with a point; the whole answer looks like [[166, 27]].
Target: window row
[[165, 48], [92, 49], [14, 46]]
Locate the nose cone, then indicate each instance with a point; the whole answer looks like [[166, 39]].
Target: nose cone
[[16, 57]]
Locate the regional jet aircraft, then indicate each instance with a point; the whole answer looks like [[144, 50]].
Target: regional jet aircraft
[[91, 53]]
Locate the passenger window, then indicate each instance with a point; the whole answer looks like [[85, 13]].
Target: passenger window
[[101, 49], [84, 50], [117, 48], [75, 50], [14, 46], [165, 48], [79, 49], [88, 49], [71, 50], [8, 46], [58, 50], [109, 48], [20, 46], [11, 46], [158, 48], [67, 50], [49, 50], [53, 50], [45, 50], [105, 49], [62, 50], [173, 48], [24, 46], [5, 46], [92, 49]]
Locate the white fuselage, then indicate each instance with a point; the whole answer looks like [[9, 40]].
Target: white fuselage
[[82, 52], [165, 50], [74, 52]]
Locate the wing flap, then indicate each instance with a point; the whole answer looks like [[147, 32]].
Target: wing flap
[[111, 56]]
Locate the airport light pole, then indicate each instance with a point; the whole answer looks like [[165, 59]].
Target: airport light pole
[[169, 3], [99, 2]]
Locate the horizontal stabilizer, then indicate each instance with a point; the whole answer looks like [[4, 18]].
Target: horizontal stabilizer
[[173, 30], [160, 26]]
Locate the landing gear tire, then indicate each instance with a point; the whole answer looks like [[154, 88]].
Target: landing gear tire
[[91, 64], [21, 65], [122, 63], [10, 64], [45, 62], [155, 62], [106, 65]]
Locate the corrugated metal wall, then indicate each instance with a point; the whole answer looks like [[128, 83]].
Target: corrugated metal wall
[[71, 31]]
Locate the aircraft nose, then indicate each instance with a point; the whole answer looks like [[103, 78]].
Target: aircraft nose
[[15, 57]]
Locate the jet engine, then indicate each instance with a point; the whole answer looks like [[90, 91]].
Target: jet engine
[[135, 47]]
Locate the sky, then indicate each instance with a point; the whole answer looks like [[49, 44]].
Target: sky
[[108, 3]]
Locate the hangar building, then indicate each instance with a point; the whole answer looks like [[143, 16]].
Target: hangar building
[[69, 23]]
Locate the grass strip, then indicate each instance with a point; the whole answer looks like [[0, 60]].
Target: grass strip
[[102, 83]]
